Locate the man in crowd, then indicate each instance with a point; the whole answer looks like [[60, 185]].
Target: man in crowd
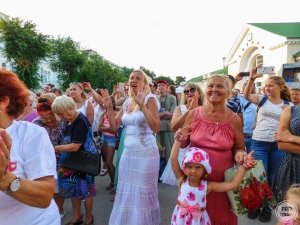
[[295, 95], [167, 103]]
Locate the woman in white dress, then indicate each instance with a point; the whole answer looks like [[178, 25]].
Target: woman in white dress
[[192, 97], [136, 199]]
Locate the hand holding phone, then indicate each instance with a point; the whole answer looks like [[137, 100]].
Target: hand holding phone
[[266, 70], [244, 74]]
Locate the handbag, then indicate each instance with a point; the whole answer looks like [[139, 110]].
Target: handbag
[[86, 159]]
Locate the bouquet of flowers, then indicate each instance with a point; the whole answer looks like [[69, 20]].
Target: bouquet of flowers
[[253, 193]]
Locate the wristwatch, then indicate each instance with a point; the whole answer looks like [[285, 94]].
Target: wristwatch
[[14, 185]]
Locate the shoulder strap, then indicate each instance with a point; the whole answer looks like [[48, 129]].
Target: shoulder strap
[[262, 101], [247, 105], [286, 102]]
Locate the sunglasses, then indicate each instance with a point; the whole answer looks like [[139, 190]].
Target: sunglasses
[[192, 91]]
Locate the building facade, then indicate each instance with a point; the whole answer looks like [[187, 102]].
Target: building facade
[[266, 44]]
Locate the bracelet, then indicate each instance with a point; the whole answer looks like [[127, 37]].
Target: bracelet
[[252, 79]]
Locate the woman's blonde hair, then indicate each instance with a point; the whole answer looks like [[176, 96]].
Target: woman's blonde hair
[[199, 90], [294, 190], [63, 103], [49, 96], [146, 88], [224, 77], [285, 92]]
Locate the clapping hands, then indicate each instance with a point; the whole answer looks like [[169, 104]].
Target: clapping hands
[[107, 102], [5, 145], [139, 97]]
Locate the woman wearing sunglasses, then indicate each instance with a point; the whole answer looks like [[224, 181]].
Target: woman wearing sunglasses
[[192, 97]]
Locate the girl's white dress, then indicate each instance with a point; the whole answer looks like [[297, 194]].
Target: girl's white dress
[[168, 176], [191, 203], [136, 199]]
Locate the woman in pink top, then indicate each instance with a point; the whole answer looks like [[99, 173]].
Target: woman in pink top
[[109, 145], [218, 131]]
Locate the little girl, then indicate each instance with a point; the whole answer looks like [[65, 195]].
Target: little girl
[[293, 195], [191, 201]]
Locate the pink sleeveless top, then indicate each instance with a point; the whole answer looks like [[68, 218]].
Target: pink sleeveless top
[[217, 140]]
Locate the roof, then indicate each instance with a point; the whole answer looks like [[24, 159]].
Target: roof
[[297, 54], [200, 78], [289, 30]]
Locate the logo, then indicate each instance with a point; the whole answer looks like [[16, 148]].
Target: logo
[[286, 211], [12, 166]]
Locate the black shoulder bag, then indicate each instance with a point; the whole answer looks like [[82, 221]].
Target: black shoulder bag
[[86, 159]]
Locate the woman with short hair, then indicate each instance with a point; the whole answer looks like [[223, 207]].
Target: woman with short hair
[[27, 161], [73, 184]]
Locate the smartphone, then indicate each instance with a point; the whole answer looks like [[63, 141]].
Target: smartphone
[[266, 70], [245, 74]]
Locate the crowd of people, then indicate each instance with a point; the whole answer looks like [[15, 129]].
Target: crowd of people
[[198, 135]]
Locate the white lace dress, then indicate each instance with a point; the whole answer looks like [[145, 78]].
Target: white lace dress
[[168, 176], [136, 199]]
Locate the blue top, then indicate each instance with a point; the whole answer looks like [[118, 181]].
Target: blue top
[[295, 120], [249, 115]]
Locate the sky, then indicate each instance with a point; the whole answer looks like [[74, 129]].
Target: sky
[[169, 37]]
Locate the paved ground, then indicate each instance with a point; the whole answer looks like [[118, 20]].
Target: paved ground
[[167, 198]]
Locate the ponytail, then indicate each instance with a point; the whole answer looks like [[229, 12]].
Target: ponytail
[[285, 93]]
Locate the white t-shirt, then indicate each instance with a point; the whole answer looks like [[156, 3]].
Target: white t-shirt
[[32, 156], [267, 121]]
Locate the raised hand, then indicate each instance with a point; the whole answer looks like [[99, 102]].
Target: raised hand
[[139, 98], [253, 73], [239, 77], [184, 133], [107, 102], [87, 86]]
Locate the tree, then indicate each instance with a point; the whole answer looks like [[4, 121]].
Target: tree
[[66, 60], [149, 72], [24, 48], [179, 79], [72, 63]]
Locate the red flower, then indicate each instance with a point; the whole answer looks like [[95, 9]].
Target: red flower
[[198, 157], [264, 191], [191, 196], [250, 199]]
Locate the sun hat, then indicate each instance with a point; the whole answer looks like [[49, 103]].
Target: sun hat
[[197, 155]]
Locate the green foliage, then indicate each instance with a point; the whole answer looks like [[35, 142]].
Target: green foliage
[[179, 79], [24, 48], [168, 79], [66, 60], [72, 63], [149, 72]]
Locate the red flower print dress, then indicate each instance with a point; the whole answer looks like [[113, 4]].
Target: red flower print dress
[[191, 204]]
